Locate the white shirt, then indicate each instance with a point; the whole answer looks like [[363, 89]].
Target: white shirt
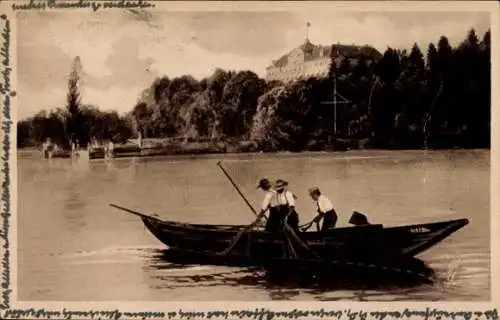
[[269, 200], [286, 197], [323, 204]]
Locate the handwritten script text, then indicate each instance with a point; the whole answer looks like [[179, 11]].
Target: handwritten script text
[[6, 93], [82, 4], [257, 314]]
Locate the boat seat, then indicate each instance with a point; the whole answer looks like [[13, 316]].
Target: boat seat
[[358, 219]]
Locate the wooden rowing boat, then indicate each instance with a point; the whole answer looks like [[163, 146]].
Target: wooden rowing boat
[[374, 243]]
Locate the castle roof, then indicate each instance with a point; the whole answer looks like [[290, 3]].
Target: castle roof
[[315, 52]]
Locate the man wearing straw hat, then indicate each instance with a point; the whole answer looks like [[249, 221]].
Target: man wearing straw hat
[[285, 203], [279, 203]]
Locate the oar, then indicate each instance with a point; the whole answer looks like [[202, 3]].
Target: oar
[[288, 229], [240, 233], [219, 164], [142, 215]]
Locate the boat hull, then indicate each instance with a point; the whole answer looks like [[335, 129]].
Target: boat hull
[[359, 243]]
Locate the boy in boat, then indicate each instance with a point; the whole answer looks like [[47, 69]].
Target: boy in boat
[[325, 210], [285, 201], [268, 204]]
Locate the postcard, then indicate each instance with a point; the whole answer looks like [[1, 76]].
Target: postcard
[[249, 160]]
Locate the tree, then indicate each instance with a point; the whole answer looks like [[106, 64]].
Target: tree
[[217, 82], [417, 62], [73, 123], [200, 117], [239, 102], [385, 102], [160, 87], [432, 89], [473, 89], [432, 61], [287, 116], [442, 110], [142, 114], [25, 134], [412, 82], [445, 57], [388, 68]]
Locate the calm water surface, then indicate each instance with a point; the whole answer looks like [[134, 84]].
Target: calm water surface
[[73, 246]]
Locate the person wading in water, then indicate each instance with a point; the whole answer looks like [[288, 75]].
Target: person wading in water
[[325, 210]]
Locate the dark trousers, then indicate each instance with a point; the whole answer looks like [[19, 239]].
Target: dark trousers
[[277, 216], [329, 220]]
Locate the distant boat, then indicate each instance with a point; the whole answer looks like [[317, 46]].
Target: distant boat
[[136, 142], [119, 151], [61, 154]]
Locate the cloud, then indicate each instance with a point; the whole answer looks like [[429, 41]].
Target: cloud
[[395, 29], [112, 98], [125, 66], [190, 58], [251, 34]]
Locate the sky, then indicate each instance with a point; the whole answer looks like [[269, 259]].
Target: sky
[[122, 52]]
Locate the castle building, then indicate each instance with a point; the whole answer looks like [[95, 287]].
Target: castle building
[[310, 60]]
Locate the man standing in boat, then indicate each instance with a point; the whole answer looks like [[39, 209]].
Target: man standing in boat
[[285, 201], [268, 204], [325, 210], [281, 206]]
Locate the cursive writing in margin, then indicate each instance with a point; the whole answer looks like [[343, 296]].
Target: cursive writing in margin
[[6, 93], [82, 4], [256, 314]]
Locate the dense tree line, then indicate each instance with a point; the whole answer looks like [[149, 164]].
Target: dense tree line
[[444, 99], [407, 99]]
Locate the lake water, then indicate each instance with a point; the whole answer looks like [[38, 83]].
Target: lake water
[[73, 246]]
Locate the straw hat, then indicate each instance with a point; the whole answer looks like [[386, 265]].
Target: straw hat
[[280, 184]]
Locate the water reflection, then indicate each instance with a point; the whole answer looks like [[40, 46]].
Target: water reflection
[[282, 286], [75, 213]]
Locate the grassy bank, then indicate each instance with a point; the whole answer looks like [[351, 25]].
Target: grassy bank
[[178, 146]]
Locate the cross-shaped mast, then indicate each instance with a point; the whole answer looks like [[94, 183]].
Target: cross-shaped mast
[[343, 100]]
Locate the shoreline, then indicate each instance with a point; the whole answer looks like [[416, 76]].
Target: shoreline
[[160, 152], [151, 147]]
